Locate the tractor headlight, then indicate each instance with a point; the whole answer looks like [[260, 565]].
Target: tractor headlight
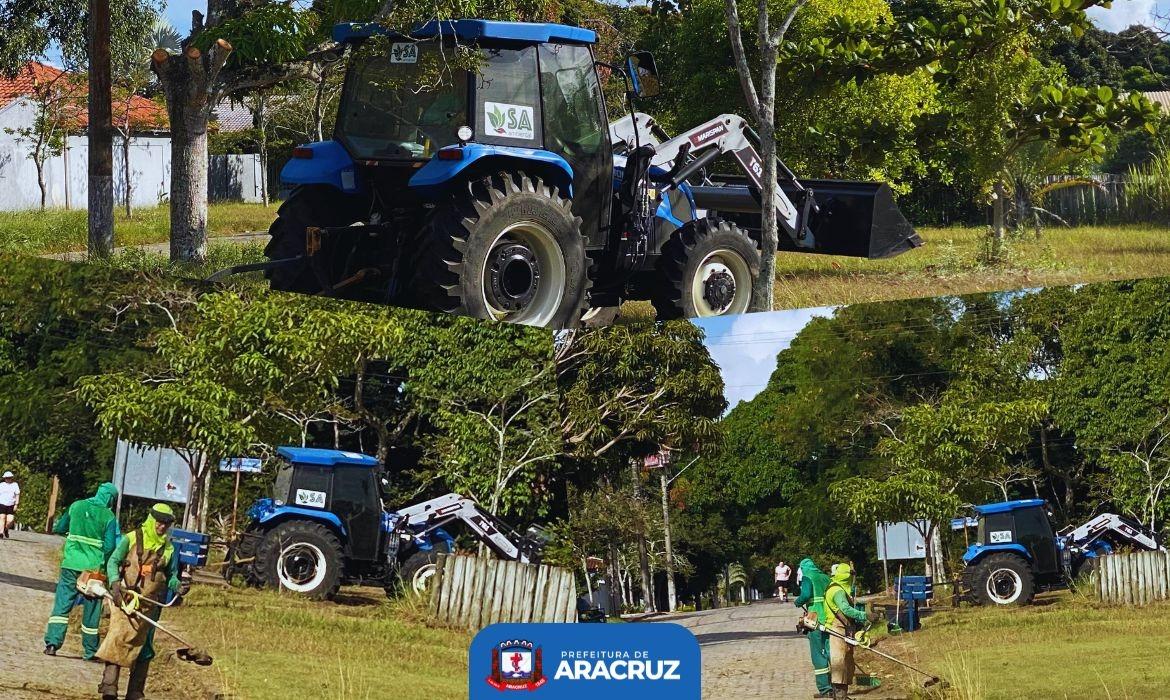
[[464, 133]]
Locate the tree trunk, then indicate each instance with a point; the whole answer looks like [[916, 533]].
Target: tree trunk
[[262, 125], [643, 555], [763, 291], [671, 596], [126, 165], [101, 133], [998, 221], [319, 102], [189, 87], [41, 181]]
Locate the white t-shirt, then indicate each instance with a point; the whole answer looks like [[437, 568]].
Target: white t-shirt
[[783, 571], [9, 493]]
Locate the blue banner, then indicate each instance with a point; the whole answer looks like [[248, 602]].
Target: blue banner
[[610, 661]]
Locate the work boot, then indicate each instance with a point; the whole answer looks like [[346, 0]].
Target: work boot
[[108, 688], [136, 686], [840, 691], [50, 650]]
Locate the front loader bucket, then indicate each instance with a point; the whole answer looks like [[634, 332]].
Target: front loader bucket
[[857, 219]]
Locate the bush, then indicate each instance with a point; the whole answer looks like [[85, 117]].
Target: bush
[[1148, 188]]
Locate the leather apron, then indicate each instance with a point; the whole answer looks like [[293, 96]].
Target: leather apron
[[146, 573]]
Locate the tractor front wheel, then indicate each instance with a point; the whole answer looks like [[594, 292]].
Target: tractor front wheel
[[707, 269], [301, 557], [419, 572], [1003, 579], [508, 248]]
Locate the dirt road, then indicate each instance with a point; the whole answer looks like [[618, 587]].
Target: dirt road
[[754, 651], [28, 575]]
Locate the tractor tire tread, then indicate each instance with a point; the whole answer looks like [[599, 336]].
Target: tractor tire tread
[[670, 291], [1002, 560], [269, 549]]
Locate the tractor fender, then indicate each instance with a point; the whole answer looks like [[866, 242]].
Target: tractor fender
[[479, 157], [328, 164], [436, 539], [276, 515], [976, 552]]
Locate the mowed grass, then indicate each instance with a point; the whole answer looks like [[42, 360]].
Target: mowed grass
[[1067, 647], [59, 231], [269, 646], [951, 262]]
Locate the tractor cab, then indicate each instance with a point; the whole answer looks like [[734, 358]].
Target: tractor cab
[[1021, 527]]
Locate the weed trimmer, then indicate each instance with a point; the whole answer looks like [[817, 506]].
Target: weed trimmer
[[95, 588], [809, 622]]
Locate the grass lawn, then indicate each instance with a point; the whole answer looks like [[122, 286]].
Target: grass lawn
[[949, 263], [60, 231], [1066, 647], [272, 646]]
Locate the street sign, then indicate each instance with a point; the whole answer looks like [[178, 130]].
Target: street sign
[[246, 465], [157, 473], [901, 541], [656, 461]]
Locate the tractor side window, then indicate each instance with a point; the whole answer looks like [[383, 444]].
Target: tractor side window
[[280, 488], [1035, 533], [507, 98], [996, 528], [311, 486]]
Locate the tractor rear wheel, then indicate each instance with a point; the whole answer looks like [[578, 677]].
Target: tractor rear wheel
[[706, 269], [418, 572], [1003, 579], [305, 207], [301, 557], [506, 247]]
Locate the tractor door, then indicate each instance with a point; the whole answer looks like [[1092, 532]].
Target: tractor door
[[575, 128], [356, 502], [1035, 532]]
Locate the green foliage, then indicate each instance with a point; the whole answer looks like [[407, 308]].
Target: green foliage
[[265, 35], [1147, 188]]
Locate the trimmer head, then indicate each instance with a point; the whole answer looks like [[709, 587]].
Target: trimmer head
[[194, 655]]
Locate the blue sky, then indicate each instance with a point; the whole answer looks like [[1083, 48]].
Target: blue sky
[[745, 346]]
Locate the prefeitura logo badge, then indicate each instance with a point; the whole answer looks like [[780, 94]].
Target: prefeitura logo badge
[[586, 661], [516, 665]]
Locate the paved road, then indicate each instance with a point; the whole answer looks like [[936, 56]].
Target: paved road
[[751, 651], [754, 651]]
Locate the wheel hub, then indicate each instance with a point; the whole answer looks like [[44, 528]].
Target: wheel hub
[[719, 288], [514, 273]]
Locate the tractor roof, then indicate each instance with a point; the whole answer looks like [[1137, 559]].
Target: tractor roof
[[1008, 506], [325, 458], [470, 30]]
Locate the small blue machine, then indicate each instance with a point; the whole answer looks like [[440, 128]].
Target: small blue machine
[[912, 591]]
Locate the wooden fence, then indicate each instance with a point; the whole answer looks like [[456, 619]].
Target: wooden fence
[[1102, 203], [1138, 578], [474, 592]]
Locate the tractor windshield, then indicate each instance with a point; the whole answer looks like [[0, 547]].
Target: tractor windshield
[[404, 103]]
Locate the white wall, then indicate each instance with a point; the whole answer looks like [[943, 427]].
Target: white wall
[[230, 177]]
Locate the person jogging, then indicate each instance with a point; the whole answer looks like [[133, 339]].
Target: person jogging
[[91, 532], [783, 575], [9, 502]]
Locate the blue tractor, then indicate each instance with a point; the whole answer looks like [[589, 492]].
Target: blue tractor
[[473, 171], [325, 525], [1016, 552]]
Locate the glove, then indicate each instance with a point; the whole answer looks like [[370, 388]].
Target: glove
[[116, 592]]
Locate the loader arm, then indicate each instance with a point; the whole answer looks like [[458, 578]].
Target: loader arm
[[1119, 528], [725, 134], [487, 528]]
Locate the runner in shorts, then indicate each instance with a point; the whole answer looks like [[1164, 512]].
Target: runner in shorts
[[9, 501]]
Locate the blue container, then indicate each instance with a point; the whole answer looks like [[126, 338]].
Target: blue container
[[192, 547]]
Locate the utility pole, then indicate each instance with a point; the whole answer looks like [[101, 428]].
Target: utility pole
[[101, 133], [671, 599]]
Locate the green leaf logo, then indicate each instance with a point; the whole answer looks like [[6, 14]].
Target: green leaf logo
[[496, 117]]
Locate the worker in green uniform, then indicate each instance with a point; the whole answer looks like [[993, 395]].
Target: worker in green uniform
[[813, 583], [844, 619], [91, 533], [143, 568]]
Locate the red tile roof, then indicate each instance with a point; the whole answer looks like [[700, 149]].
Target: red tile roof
[[145, 115]]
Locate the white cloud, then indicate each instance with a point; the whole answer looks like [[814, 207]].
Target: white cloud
[[745, 347], [1126, 13]]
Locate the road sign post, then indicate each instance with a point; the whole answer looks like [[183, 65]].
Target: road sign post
[[239, 465]]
